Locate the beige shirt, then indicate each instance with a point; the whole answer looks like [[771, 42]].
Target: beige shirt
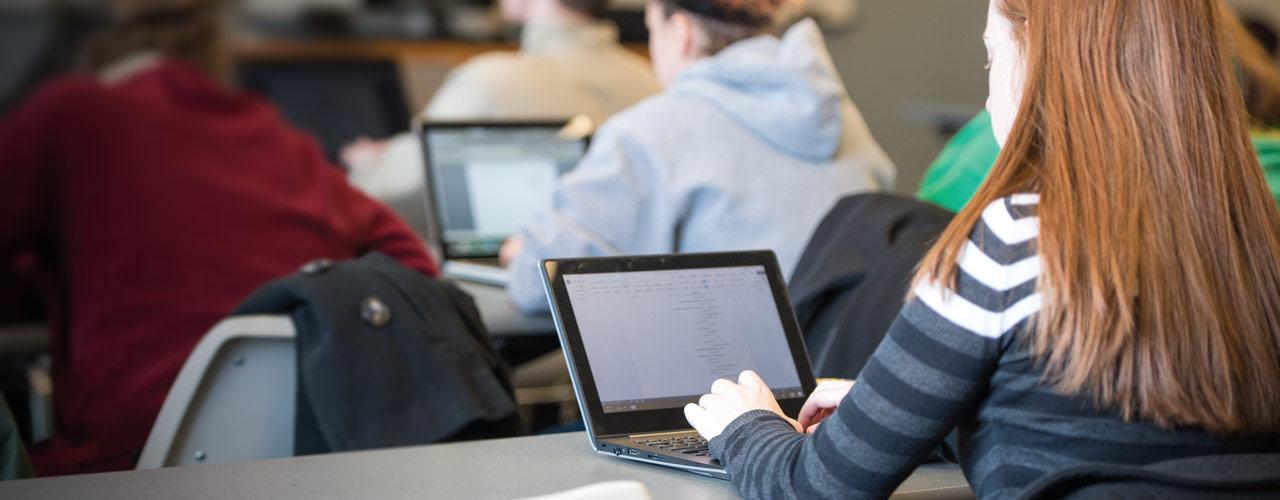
[[561, 70]]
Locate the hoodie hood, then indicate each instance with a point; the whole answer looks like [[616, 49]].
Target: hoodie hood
[[784, 90]]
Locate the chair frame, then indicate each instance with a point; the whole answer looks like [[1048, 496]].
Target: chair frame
[[174, 414]]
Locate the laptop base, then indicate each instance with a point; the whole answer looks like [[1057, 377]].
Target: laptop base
[[477, 272], [635, 448]]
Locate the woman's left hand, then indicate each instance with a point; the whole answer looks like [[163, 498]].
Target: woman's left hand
[[728, 401]]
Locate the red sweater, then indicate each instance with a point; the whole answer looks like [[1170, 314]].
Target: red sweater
[[161, 202]]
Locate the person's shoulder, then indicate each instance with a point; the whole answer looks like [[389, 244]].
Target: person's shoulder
[[69, 90], [1001, 254], [492, 66], [1008, 221], [72, 84], [649, 134], [65, 101], [620, 55], [635, 70], [661, 114], [493, 79], [997, 273]]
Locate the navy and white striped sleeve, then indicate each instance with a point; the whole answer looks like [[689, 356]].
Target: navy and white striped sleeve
[[931, 370]]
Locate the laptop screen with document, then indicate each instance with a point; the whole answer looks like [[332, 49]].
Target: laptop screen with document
[[658, 339], [646, 335]]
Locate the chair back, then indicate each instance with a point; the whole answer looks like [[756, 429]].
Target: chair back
[[233, 400]]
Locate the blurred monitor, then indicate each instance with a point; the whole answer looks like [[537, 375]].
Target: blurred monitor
[[486, 179], [286, 8], [336, 101]]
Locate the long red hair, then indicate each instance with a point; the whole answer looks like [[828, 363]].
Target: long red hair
[[1160, 244]]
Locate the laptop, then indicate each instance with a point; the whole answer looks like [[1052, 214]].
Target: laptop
[[645, 335], [487, 179]]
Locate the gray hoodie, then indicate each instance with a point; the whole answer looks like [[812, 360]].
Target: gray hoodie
[[748, 149]]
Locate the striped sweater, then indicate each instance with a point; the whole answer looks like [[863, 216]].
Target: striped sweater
[[954, 360]]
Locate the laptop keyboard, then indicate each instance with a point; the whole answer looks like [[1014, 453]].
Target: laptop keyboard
[[692, 445]]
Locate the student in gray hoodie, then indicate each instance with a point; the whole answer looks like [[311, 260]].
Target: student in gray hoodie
[[749, 145]]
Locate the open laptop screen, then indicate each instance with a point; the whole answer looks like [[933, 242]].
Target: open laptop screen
[[487, 180], [657, 339], [644, 335]]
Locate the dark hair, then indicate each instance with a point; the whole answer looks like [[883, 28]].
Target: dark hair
[[591, 8], [1264, 34], [183, 29], [1258, 73], [724, 24]]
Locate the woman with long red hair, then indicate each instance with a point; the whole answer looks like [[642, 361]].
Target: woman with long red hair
[[1111, 295]]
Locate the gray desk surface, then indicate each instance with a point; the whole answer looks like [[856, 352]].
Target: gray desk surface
[[504, 468], [501, 317]]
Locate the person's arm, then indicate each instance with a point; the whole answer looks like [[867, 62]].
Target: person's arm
[[932, 369], [371, 223], [605, 206], [387, 170], [910, 395], [387, 233]]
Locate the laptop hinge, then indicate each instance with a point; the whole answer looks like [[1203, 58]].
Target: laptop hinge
[[654, 434]]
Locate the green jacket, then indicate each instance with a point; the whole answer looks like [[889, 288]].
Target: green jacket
[[955, 175]]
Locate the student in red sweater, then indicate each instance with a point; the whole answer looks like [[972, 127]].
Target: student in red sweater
[[159, 200]]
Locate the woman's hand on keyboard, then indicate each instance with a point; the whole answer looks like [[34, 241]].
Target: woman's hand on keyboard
[[823, 402], [728, 400]]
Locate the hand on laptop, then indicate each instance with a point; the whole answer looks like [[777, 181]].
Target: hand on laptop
[[510, 249], [728, 401], [823, 402]]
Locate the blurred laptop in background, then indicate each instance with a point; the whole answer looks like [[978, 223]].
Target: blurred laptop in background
[[487, 179]]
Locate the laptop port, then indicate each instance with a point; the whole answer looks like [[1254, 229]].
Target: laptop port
[[634, 452]]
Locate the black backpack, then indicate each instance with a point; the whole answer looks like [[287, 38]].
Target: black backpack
[[853, 276]]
